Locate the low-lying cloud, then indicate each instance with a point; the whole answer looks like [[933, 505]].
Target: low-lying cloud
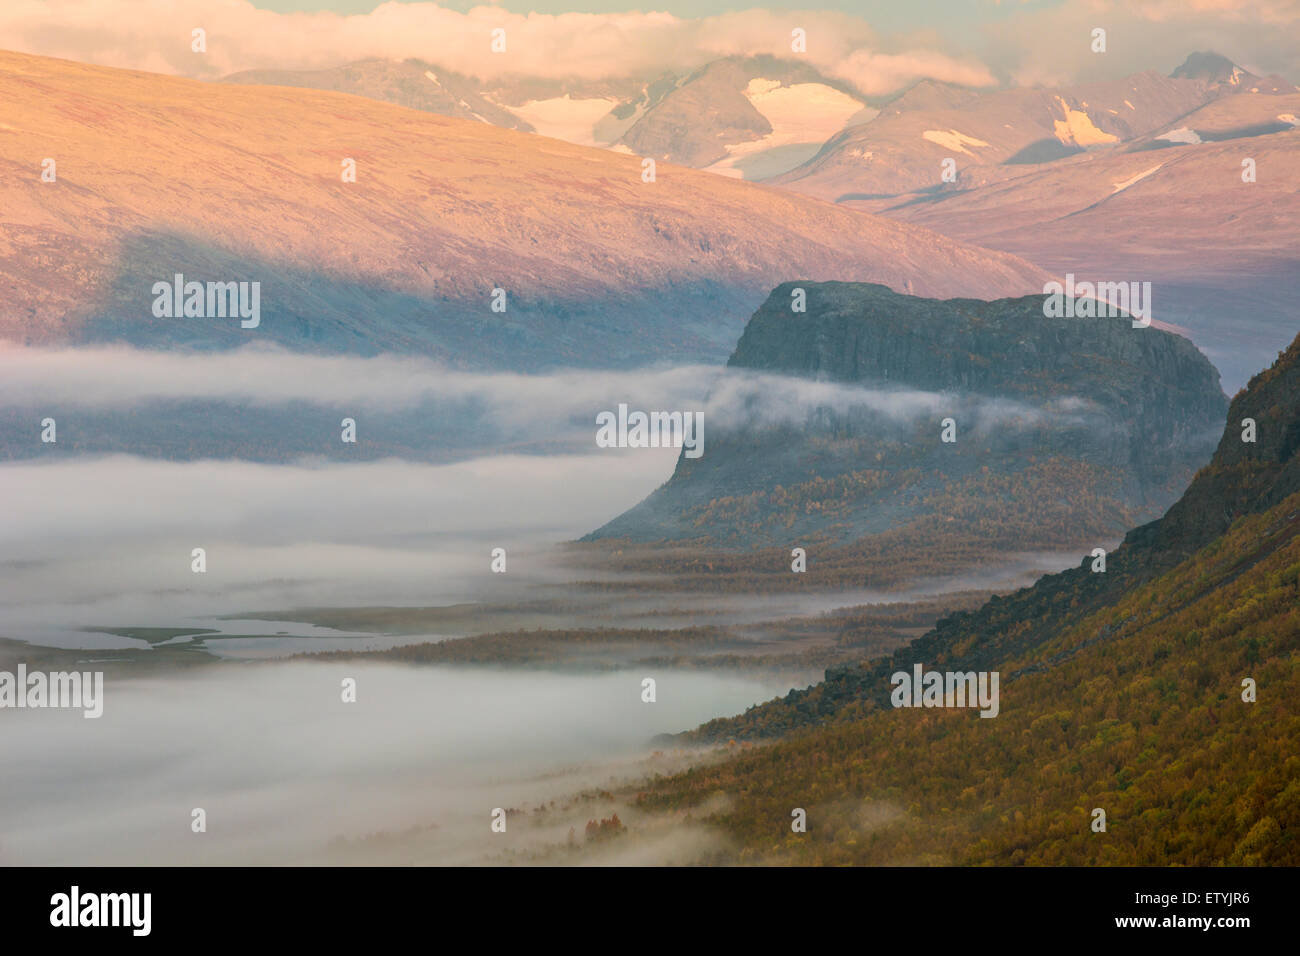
[[548, 404], [746, 399], [286, 773], [259, 375], [95, 541]]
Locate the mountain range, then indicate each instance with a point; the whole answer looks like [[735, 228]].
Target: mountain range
[[750, 116], [765, 117], [158, 176], [1137, 178], [903, 148]]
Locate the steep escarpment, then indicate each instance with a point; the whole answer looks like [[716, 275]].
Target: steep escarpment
[[873, 413]]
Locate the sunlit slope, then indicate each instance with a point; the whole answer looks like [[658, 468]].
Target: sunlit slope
[[158, 175]]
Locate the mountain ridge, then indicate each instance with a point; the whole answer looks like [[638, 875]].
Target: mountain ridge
[[599, 266]]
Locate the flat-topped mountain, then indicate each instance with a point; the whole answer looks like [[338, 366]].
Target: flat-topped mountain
[[830, 425]]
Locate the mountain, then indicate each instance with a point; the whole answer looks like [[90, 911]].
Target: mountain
[[1159, 692], [411, 83], [585, 112], [903, 148], [158, 176], [1213, 67], [1217, 69], [1221, 253], [1229, 117], [829, 429], [748, 117]]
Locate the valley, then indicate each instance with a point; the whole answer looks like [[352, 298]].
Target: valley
[[353, 420]]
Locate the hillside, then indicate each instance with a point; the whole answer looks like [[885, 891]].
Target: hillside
[[901, 150], [1241, 480], [827, 429], [1220, 253], [222, 182], [1121, 691]]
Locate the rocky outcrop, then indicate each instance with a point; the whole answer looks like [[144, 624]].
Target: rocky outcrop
[[1127, 413]]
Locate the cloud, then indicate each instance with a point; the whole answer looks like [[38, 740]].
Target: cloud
[[261, 375], [1034, 45], [418, 405], [287, 774], [102, 540], [745, 399], [880, 73], [1053, 45], [155, 35]]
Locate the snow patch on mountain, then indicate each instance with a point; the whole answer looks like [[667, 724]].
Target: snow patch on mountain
[[953, 140], [801, 114], [564, 117], [1078, 129], [1121, 186]]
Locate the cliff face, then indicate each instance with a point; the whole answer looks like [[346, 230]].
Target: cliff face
[[1089, 423], [1244, 477], [861, 332], [866, 333]]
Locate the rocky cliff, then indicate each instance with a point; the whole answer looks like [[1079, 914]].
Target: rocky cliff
[[829, 422]]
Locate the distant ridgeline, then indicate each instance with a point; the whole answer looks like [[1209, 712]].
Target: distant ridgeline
[[954, 428]]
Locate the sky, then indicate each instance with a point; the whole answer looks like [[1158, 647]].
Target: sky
[[879, 46], [888, 15]]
